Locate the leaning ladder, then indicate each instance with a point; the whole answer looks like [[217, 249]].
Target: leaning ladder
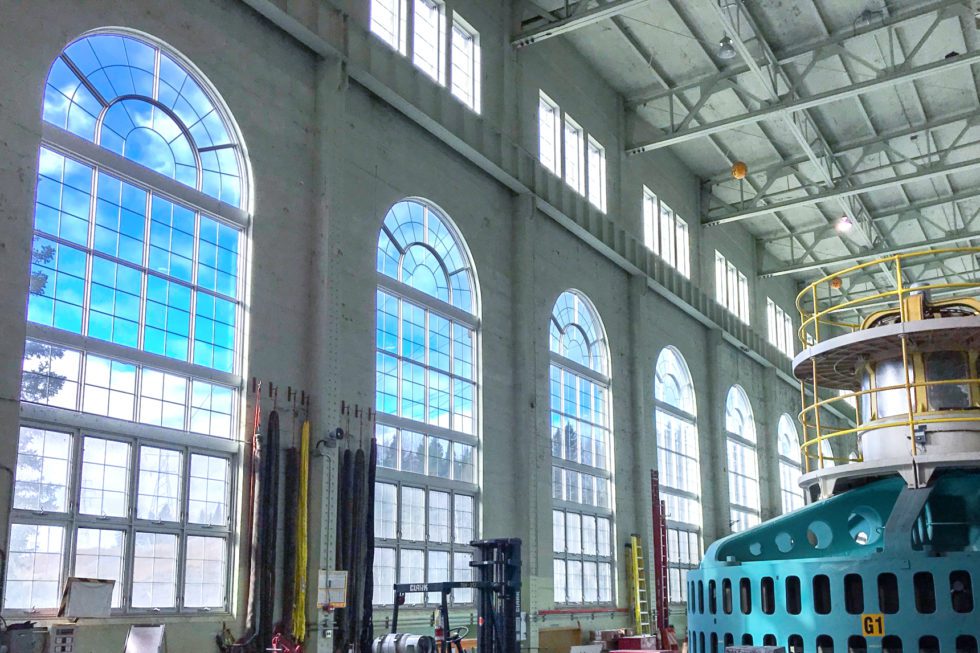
[[638, 587]]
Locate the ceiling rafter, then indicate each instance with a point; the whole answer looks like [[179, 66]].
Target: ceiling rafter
[[680, 129], [806, 51], [572, 17]]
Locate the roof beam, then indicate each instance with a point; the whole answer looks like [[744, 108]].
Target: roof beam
[[800, 125], [923, 173], [912, 210], [897, 76], [868, 254], [577, 17], [811, 49], [873, 142]]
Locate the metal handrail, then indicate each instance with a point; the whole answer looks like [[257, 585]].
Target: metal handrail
[[815, 311], [912, 418]]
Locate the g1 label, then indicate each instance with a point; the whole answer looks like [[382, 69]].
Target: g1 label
[[873, 625]]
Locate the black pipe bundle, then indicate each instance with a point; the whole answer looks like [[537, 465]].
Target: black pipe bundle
[[353, 625], [267, 536]]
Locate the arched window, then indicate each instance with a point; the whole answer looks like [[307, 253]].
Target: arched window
[[679, 466], [132, 365], [743, 462], [426, 397], [789, 464], [581, 453]]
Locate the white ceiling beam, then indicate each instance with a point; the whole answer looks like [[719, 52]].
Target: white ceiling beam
[[577, 18], [810, 49], [925, 172], [899, 76], [850, 259]]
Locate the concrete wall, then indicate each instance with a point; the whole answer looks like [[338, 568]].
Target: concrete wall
[[328, 158]]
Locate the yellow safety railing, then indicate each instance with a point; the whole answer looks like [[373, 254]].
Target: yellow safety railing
[[815, 434], [826, 303], [826, 311]]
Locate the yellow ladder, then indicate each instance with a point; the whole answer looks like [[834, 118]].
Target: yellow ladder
[[636, 574]]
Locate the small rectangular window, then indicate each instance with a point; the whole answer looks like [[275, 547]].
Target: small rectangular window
[[549, 134], [465, 72], [731, 288], [428, 52], [574, 156], [667, 235], [651, 223], [726, 595], [683, 248], [597, 174], [388, 22]]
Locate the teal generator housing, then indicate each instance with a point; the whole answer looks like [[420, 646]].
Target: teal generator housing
[[885, 556]]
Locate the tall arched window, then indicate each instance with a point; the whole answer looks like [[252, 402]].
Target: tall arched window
[[132, 365], [426, 396], [743, 462], [789, 465], [678, 463], [581, 453]]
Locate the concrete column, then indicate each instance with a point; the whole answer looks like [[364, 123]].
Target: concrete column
[[712, 441], [767, 422], [325, 336], [532, 435], [20, 124]]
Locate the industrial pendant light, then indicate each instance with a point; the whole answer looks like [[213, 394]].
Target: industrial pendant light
[[725, 48]]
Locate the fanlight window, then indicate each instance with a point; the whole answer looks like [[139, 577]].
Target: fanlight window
[[418, 249], [132, 98]]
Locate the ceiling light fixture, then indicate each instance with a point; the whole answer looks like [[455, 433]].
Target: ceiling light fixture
[[725, 48], [844, 225]]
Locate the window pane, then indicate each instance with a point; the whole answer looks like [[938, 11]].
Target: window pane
[[205, 573], [208, 490], [388, 22], [41, 479], [51, 375], [438, 516], [561, 595], [33, 578], [385, 511], [466, 66], [558, 531], [110, 388], [412, 571], [464, 519], [154, 570], [384, 575], [99, 554], [429, 38], [462, 572], [159, 484], [105, 478], [574, 156], [413, 514]]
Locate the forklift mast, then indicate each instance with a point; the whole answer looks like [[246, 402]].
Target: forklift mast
[[498, 601]]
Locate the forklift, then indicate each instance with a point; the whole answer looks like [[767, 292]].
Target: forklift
[[498, 602]]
